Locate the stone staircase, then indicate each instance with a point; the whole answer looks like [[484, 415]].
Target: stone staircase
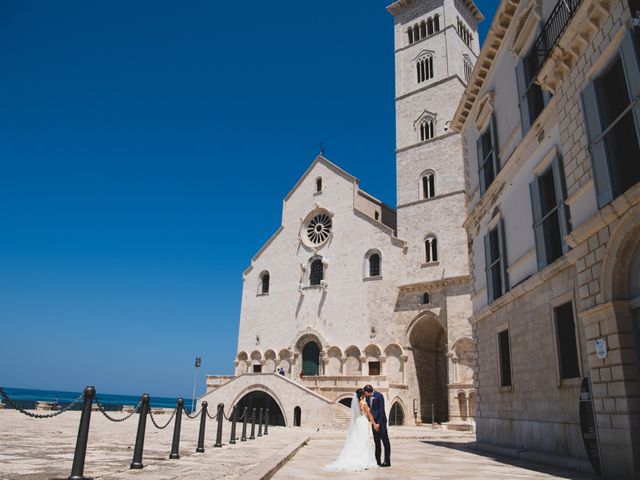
[[341, 416]]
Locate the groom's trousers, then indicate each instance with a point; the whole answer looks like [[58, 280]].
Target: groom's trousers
[[382, 436]]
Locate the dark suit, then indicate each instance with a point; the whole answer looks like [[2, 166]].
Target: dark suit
[[376, 405]]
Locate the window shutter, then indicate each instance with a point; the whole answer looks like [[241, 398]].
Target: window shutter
[[502, 239], [597, 150], [521, 80], [632, 71], [487, 262], [563, 211], [494, 146], [483, 187], [538, 231]]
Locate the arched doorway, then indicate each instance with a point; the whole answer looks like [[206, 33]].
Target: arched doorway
[[259, 399], [346, 401], [396, 415], [311, 359], [429, 342], [634, 299], [297, 417]]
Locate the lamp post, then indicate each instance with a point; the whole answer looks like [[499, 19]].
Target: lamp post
[[195, 378]]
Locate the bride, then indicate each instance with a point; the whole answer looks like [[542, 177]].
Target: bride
[[358, 451]]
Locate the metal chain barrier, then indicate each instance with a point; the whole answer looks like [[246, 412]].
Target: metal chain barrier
[[214, 417], [192, 417], [153, 420], [40, 415], [117, 420]]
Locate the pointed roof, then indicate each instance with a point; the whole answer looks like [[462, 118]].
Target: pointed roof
[[332, 166]]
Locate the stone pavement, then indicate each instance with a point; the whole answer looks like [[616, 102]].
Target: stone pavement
[[32, 449], [440, 455]]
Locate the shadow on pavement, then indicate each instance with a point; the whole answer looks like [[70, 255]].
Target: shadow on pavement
[[469, 447]]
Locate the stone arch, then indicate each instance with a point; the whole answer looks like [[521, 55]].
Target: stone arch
[[367, 264], [269, 365], [268, 392], [397, 412], [241, 364], [394, 364], [373, 356], [297, 417], [255, 361], [306, 336], [284, 360], [463, 355], [616, 262], [428, 340], [345, 400], [334, 361], [353, 364]]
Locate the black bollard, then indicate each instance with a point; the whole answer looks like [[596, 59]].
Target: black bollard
[[245, 418], [142, 425], [260, 423], [77, 470], [232, 440], [175, 445], [253, 425], [266, 422], [220, 420], [203, 419]]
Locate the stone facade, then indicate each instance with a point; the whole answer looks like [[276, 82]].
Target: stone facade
[[350, 291], [595, 274]]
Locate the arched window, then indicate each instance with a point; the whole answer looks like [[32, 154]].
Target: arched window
[[428, 185], [374, 265], [431, 249], [410, 34], [426, 129], [468, 67], [319, 184], [416, 33], [423, 29], [264, 283], [424, 68], [429, 26], [317, 272], [426, 298], [436, 22]]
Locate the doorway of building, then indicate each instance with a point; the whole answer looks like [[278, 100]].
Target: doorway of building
[[297, 417], [396, 415], [259, 399], [311, 359], [429, 341]]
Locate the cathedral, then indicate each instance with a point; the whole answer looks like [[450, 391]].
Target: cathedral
[[350, 291]]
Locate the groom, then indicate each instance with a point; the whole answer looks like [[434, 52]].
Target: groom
[[376, 405]]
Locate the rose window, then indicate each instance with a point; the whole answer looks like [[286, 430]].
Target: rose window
[[319, 228]]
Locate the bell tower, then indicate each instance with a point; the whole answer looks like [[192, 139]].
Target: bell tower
[[436, 46]]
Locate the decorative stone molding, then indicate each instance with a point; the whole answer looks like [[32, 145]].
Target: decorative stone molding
[[526, 24], [577, 36], [485, 109]]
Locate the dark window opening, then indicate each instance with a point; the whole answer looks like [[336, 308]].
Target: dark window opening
[[374, 265], [487, 169], [428, 186], [550, 223], [396, 415], [621, 141], [374, 368], [318, 185], [265, 283], [431, 249], [311, 359], [257, 369], [426, 298], [567, 345], [505, 358], [317, 272]]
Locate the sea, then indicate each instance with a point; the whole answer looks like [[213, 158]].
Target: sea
[[26, 398]]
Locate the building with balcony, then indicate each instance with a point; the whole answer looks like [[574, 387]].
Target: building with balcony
[[551, 126]]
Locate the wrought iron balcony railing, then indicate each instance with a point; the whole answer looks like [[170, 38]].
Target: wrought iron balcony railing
[[553, 29]]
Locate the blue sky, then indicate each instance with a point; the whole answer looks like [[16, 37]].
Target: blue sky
[[145, 148]]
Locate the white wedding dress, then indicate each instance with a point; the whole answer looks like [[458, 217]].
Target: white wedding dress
[[358, 452]]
